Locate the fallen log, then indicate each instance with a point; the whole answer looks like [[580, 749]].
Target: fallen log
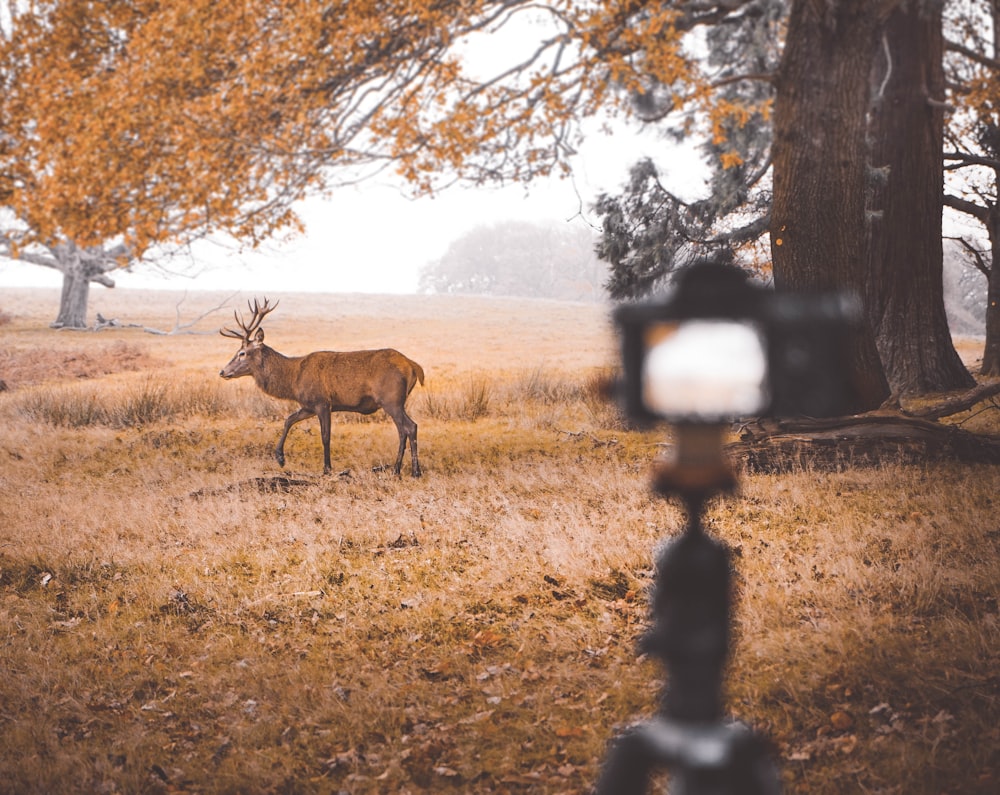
[[887, 435]]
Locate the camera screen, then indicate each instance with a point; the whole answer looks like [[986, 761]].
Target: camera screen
[[705, 370]]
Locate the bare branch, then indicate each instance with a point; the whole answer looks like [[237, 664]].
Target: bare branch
[[972, 55], [185, 328]]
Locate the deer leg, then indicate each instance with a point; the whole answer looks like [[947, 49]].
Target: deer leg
[[302, 414], [402, 449], [323, 413], [406, 429], [413, 451]]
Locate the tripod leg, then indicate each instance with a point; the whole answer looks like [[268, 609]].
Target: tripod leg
[[627, 767]]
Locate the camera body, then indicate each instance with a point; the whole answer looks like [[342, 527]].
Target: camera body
[[720, 348]]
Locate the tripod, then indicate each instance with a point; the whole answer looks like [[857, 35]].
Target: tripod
[[704, 754]]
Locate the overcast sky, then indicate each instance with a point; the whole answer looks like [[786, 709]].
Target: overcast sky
[[373, 239]]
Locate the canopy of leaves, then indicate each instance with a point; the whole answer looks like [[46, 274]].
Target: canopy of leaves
[[149, 122], [153, 121]]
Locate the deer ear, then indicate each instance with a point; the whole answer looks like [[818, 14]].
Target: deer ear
[[259, 336]]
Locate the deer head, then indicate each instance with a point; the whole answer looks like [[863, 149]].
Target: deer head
[[240, 364]]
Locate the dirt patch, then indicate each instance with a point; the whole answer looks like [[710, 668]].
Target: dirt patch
[[273, 485], [32, 366]]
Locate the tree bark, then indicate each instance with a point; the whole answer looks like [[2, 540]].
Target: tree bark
[[73, 301], [79, 268], [905, 297], [820, 155]]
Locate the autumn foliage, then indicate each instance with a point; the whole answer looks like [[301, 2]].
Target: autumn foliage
[[153, 122]]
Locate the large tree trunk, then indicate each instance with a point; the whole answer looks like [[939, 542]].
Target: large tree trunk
[[79, 268], [820, 156], [905, 299], [73, 301]]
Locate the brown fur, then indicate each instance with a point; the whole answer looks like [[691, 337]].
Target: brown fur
[[326, 381]]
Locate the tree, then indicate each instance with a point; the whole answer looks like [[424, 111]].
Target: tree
[[893, 137], [130, 126], [116, 142], [522, 259], [973, 161], [818, 212], [191, 118], [648, 231], [905, 260], [905, 298]]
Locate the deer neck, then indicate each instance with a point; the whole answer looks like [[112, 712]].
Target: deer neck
[[276, 374]]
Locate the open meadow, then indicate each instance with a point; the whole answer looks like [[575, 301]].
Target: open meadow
[[180, 614]]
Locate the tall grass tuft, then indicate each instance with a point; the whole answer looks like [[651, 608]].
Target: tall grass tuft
[[599, 399], [470, 402], [543, 387], [140, 406], [64, 408], [475, 399], [133, 406]]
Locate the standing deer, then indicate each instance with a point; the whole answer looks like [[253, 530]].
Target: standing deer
[[327, 381]]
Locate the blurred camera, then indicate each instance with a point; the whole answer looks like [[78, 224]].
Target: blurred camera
[[721, 348]]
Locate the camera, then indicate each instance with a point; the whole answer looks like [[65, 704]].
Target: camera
[[720, 348]]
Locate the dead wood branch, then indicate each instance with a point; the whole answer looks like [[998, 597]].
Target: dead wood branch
[[961, 403], [872, 439], [188, 327]]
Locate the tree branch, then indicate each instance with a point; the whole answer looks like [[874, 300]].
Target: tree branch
[[972, 55], [977, 211], [969, 159], [185, 328]]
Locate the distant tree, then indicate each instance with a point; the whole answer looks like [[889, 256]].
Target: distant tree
[[519, 258], [124, 131], [965, 288]]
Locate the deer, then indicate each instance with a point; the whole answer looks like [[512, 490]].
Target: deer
[[326, 381]]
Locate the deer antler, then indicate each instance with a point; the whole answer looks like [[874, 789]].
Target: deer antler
[[246, 329]]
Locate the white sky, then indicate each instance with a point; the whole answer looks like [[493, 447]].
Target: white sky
[[372, 239]]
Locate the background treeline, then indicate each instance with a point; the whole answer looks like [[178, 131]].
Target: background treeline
[[520, 258]]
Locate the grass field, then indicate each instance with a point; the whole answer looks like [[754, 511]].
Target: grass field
[[179, 614]]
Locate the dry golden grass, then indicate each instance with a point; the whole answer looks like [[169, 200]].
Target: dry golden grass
[[178, 614]]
